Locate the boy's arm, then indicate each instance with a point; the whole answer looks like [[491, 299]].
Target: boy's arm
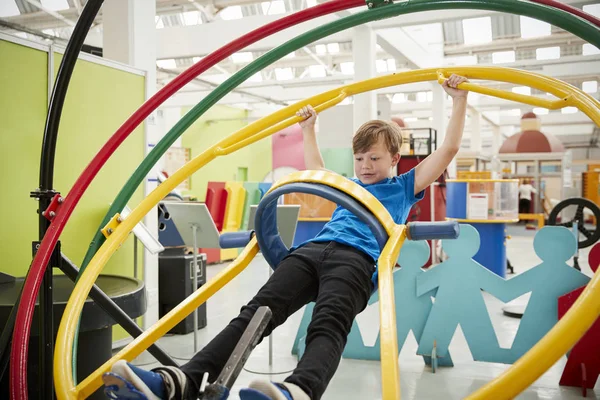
[[433, 166], [312, 154]]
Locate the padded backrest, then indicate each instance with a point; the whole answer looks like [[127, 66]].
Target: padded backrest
[[271, 245]]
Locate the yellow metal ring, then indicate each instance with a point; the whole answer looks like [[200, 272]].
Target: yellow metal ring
[[562, 337]]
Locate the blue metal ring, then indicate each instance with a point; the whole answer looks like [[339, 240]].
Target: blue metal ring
[[267, 235]]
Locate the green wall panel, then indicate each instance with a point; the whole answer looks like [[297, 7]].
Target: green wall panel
[[216, 124]]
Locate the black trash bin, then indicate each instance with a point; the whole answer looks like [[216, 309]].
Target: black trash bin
[[95, 331]]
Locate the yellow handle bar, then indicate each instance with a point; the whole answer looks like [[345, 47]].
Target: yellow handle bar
[[503, 94]]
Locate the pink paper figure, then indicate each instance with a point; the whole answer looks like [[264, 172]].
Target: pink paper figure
[[583, 365]]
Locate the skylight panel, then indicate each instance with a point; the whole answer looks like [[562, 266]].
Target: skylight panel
[[381, 66], [399, 98], [547, 53], [502, 57], [256, 78], [477, 30], [532, 28], [333, 48], [590, 86], [55, 5], [192, 18], [522, 90], [317, 71], [233, 12], [391, 64], [8, 8], [169, 63], [461, 60], [590, 50], [593, 9], [283, 74], [242, 57], [273, 7], [347, 68], [569, 110]]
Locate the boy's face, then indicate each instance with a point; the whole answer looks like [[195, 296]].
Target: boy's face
[[374, 164]]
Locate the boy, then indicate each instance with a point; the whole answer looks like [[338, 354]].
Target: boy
[[334, 269]]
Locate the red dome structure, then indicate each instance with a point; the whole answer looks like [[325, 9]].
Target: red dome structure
[[399, 121], [531, 140]]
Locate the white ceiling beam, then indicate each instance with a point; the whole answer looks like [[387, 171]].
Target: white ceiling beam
[[51, 12], [551, 119], [174, 42], [561, 38], [416, 54], [285, 92]]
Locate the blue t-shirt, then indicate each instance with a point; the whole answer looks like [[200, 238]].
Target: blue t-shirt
[[397, 195]]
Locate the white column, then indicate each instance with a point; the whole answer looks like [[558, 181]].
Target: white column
[[129, 36], [496, 139], [363, 49], [440, 119], [475, 128]]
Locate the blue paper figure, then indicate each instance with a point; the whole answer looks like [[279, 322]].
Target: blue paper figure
[[459, 300], [299, 342], [554, 245], [411, 310]]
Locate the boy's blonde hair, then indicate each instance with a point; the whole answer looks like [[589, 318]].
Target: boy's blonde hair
[[370, 132]]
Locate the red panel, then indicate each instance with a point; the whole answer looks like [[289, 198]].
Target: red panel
[[585, 356], [422, 210], [216, 202], [583, 365]]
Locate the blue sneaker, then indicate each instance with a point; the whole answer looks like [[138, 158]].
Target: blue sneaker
[[265, 390], [128, 382]]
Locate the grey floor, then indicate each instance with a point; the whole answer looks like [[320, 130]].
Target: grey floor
[[361, 379]]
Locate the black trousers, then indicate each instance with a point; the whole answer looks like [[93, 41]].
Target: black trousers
[[336, 277], [524, 206]]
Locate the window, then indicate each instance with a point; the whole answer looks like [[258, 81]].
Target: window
[[540, 111], [321, 49]]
